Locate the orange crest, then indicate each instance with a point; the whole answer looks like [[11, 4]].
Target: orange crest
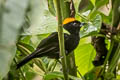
[[68, 20]]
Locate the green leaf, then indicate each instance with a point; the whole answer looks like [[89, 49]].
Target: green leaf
[[92, 74], [100, 3], [85, 5], [76, 4], [30, 75], [51, 7], [12, 19], [25, 39], [109, 76], [42, 21], [92, 28], [93, 2], [84, 54], [107, 19]]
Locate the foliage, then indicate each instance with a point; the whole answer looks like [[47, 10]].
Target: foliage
[[24, 23], [11, 19]]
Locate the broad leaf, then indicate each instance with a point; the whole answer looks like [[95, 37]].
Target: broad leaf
[[11, 21], [92, 28], [84, 54], [51, 7], [100, 3]]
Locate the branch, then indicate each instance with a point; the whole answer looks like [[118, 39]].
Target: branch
[[61, 39]]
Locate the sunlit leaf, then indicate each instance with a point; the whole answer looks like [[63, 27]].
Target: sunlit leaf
[[93, 2], [25, 38], [84, 54]]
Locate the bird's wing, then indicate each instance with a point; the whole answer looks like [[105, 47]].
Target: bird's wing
[[49, 40], [49, 45]]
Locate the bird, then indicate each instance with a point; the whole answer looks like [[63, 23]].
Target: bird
[[49, 47]]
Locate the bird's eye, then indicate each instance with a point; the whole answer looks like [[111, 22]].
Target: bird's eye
[[74, 23]]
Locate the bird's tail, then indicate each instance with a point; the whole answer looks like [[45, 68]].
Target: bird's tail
[[25, 60]]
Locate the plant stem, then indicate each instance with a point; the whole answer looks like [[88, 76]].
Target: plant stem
[[115, 22], [65, 10], [114, 59], [61, 40], [106, 59], [71, 64], [116, 13]]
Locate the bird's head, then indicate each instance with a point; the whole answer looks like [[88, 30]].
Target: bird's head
[[72, 25]]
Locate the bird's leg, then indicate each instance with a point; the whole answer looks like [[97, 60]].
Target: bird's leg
[[66, 52], [61, 57]]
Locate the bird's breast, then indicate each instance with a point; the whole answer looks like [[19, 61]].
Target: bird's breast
[[72, 43]]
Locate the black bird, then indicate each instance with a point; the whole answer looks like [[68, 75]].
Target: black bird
[[49, 46]]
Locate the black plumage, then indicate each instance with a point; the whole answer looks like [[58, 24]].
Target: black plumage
[[49, 46]]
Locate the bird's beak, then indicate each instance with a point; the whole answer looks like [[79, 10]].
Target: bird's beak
[[82, 24]]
